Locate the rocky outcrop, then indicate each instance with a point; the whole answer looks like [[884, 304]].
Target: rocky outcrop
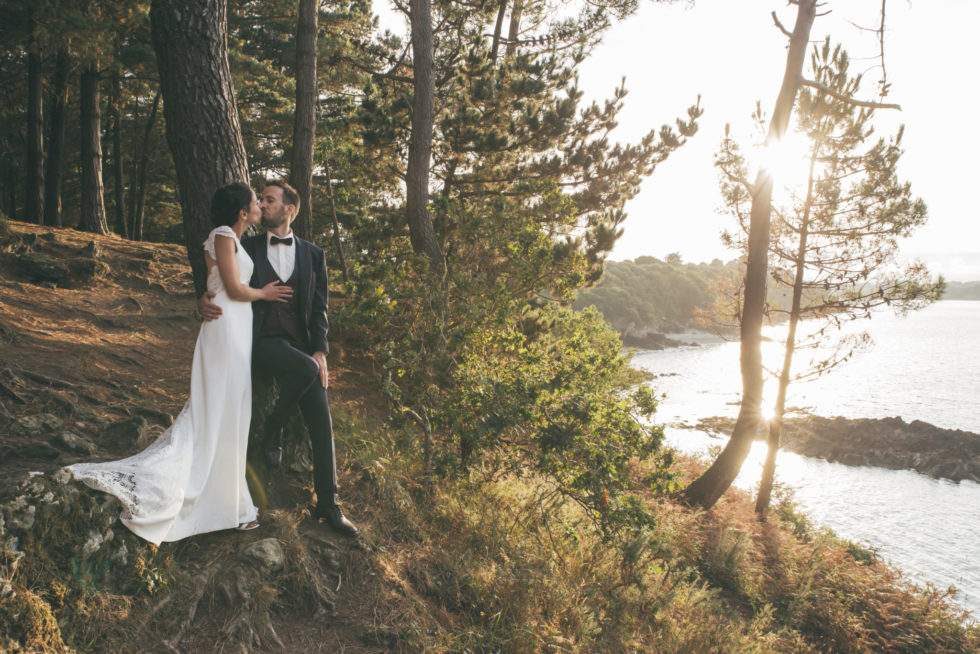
[[883, 442], [50, 523]]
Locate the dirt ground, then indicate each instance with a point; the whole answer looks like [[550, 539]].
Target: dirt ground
[[109, 347]]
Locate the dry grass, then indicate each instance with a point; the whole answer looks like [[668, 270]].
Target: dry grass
[[444, 566]]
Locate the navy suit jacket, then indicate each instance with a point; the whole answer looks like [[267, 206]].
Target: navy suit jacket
[[311, 267]]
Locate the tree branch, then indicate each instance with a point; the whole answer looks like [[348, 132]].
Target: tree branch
[[782, 29], [843, 98]]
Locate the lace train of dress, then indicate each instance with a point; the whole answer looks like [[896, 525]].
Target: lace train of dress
[[191, 479]]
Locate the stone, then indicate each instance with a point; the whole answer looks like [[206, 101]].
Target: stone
[[20, 514], [77, 443], [62, 476], [39, 424], [125, 434], [92, 545], [42, 268], [37, 450], [89, 268], [92, 249], [267, 552]]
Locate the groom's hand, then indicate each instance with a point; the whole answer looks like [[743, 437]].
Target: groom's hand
[[321, 360], [207, 309]]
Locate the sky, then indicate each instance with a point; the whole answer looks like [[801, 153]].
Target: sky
[[731, 54]]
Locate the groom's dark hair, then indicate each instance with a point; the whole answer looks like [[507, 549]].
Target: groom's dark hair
[[228, 201], [289, 194]]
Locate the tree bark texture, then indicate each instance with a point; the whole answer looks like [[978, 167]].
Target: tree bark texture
[[336, 226], [139, 201], [117, 157], [34, 189], [11, 175], [497, 28], [203, 131], [515, 27], [709, 487], [92, 192], [420, 228], [304, 122], [776, 424], [56, 141]]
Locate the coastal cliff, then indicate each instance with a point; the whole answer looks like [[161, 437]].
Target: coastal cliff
[[95, 351]]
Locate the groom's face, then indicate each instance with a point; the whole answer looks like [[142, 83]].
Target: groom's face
[[274, 212]]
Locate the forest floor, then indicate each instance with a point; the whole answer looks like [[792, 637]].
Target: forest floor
[[96, 341], [95, 363]]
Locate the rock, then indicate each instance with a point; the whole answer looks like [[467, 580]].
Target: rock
[[37, 450], [42, 268], [20, 514], [77, 443], [884, 442], [87, 269], [649, 341], [92, 249], [125, 434], [92, 545], [267, 552], [37, 425]]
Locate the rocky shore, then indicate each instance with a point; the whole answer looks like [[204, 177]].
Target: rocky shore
[[883, 442]]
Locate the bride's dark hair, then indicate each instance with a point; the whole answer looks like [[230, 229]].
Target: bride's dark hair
[[228, 201]]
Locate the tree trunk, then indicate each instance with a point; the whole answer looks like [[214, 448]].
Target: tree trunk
[[304, 123], [117, 157], [336, 226], [139, 202], [34, 190], [420, 229], [11, 176], [515, 27], [205, 138], [93, 203], [498, 26], [706, 489], [776, 425], [56, 141]]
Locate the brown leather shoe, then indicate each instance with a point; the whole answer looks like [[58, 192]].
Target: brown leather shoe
[[334, 517]]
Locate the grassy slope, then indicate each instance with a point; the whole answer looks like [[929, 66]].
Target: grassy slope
[[473, 565]]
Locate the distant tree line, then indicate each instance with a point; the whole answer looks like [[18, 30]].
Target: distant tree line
[[650, 294], [962, 291]]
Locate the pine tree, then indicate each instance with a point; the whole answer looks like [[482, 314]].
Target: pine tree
[[709, 487], [203, 131], [835, 241]]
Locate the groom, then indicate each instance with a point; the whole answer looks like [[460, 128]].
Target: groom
[[289, 341]]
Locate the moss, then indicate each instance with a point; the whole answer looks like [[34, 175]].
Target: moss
[[70, 521], [27, 620]]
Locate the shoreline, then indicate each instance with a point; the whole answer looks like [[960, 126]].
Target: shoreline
[[890, 443]]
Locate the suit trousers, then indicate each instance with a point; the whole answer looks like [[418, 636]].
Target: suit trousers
[[297, 375]]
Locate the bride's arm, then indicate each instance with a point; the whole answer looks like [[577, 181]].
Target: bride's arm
[[224, 249]]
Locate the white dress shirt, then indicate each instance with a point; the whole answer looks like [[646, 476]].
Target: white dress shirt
[[281, 257]]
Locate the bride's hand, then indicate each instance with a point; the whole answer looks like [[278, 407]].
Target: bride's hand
[[276, 292]]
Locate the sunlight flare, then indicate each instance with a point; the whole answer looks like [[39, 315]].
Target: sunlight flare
[[787, 160]]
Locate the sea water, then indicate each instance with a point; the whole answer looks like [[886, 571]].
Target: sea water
[[923, 366]]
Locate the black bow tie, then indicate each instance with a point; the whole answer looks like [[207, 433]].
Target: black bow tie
[[275, 240]]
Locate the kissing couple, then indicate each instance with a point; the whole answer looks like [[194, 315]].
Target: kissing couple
[[266, 301]]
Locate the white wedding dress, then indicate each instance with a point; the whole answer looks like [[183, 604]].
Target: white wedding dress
[[191, 480]]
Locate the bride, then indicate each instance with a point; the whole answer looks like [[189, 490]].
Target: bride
[[191, 480]]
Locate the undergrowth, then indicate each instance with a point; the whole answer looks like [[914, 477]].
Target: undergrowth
[[480, 564]]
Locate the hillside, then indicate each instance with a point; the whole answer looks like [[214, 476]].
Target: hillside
[[96, 336]]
